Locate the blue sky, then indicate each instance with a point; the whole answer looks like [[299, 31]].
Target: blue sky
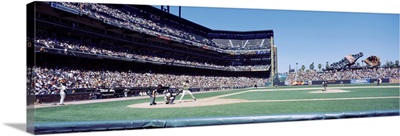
[[304, 37]]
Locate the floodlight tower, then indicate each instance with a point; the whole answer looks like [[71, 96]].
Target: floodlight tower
[[166, 9], [274, 58]]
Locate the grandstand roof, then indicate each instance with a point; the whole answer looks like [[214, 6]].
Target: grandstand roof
[[223, 34]]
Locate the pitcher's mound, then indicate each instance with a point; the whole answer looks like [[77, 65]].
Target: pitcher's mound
[[188, 103], [330, 91]]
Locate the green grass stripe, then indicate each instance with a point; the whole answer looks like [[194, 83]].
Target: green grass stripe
[[327, 99], [305, 94], [239, 109], [140, 100], [338, 85]]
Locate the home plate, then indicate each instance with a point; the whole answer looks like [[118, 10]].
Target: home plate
[[329, 91], [190, 103]]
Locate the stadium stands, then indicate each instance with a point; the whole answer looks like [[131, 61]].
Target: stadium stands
[[135, 20], [346, 74], [128, 53], [152, 24], [123, 46], [46, 78]]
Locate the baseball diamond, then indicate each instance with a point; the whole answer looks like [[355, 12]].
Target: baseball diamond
[[263, 101]]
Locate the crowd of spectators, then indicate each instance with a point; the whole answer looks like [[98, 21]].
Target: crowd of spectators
[[345, 74], [129, 53], [46, 79], [145, 22], [136, 20]]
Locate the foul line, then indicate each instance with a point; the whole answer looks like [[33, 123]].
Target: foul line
[[319, 88], [325, 99], [291, 89]]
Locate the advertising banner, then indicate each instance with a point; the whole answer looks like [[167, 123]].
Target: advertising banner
[[298, 83], [394, 80], [359, 81], [331, 82]]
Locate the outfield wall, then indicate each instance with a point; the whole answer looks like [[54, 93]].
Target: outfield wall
[[353, 81]]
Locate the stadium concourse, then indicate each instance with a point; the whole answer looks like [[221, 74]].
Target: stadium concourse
[[129, 53]]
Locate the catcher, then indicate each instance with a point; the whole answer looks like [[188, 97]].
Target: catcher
[[170, 95]]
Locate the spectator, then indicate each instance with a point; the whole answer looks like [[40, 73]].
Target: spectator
[[91, 79], [130, 54], [135, 20], [346, 74]]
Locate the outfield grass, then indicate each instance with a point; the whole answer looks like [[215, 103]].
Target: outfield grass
[[338, 85], [305, 94], [118, 110]]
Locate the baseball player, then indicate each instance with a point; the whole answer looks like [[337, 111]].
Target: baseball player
[[126, 91], [379, 81], [185, 89], [325, 84], [63, 92], [170, 95], [276, 87]]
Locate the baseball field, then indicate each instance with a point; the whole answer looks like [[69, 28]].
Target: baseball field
[[231, 103]]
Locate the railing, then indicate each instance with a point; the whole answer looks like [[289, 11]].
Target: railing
[[41, 48], [145, 30]]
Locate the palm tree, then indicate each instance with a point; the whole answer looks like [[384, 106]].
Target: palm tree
[[387, 63], [327, 65], [312, 66]]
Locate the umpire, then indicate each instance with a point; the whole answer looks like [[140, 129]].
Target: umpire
[[153, 95]]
